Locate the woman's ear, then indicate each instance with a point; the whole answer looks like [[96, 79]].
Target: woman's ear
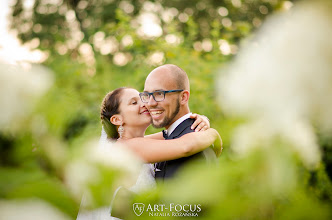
[[185, 97], [116, 120]]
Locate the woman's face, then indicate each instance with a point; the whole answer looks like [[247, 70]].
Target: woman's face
[[132, 109]]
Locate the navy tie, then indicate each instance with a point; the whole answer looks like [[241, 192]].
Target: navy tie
[[165, 134]]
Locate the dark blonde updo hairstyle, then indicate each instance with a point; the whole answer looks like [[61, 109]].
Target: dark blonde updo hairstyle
[[109, 107]]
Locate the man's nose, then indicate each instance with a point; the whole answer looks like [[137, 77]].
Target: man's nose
[[151, 101]]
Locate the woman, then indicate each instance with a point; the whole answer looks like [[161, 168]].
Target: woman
[[125, 120]]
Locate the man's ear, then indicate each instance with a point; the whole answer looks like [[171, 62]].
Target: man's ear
[[185, 97], [116, 119]]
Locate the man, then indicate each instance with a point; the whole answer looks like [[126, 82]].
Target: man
[[166, 94]]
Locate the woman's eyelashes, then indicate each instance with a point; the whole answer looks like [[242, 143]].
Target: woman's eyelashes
[[133, 102]]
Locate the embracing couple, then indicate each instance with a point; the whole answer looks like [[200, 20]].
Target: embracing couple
[[126, 114]]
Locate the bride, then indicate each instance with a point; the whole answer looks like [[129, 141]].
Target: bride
[[125, 120]]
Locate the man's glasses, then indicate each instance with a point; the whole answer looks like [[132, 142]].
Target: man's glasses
[[158, 96]]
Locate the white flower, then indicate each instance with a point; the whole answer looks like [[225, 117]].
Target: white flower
[[31, 209], [283, 77], [20, 86], [107, 166]]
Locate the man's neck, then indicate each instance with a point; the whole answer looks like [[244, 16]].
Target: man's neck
[[183, 111]]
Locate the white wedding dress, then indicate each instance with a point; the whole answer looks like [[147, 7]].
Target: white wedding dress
[[144, 182]]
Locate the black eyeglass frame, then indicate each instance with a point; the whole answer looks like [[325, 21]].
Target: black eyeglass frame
[[164, 92]]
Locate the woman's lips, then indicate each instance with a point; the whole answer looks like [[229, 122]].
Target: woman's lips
[[146, 112]]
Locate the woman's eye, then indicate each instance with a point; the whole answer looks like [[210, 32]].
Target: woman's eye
[[134, 103]]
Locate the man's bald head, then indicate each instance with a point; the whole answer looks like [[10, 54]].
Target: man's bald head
[[172, 79], [172, 73]]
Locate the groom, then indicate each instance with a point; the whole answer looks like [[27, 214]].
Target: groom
[[166, 95]]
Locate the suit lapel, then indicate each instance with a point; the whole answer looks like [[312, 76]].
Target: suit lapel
[[178, 131], [180, 128]]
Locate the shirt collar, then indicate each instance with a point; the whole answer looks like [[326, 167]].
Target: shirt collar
[[176, 123]]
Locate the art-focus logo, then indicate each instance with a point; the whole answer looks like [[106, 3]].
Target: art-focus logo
[[138, 208], [172, 209]]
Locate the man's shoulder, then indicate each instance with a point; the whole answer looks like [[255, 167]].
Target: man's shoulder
[[188, 122], [183, 128]]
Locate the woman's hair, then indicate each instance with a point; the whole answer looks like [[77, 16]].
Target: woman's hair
[[109, 107]]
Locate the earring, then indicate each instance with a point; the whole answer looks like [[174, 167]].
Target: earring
[[120, 131]]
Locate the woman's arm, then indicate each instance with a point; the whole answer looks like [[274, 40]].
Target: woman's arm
[[151, 150], [157, 136]]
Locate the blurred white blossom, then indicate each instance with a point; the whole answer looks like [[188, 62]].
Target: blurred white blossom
[[93, 163], [156, 58], [282, 81], [31, 209], [20, 86]]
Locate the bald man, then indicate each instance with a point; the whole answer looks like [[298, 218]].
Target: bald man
[[166, 96]]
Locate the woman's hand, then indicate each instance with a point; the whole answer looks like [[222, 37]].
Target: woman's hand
[[201, 122]]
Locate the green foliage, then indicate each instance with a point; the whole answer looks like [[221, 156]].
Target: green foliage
[[34, 183], [263, 185], [54, 24]]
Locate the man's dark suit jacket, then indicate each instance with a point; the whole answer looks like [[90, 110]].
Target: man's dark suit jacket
[[167, 169]]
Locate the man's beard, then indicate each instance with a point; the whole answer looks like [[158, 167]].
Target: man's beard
[[168, 120]]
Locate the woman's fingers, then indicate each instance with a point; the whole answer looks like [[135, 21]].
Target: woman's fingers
[[201, 127], [205, 124], [196, 123], [201, 122], [194, 115], [204, 128]]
